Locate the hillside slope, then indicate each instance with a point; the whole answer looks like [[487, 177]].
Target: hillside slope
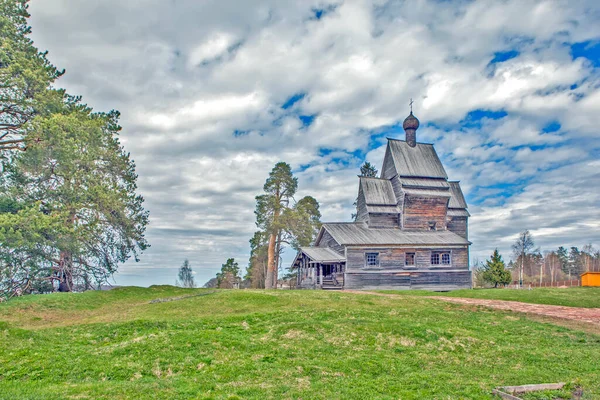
[[277, 344]]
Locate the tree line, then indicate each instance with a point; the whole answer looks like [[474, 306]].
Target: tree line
[[531, 265], [69, 212]]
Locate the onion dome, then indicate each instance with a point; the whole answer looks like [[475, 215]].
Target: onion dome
[[411, 122]]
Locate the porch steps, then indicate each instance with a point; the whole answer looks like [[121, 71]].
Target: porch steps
[[328, 284]]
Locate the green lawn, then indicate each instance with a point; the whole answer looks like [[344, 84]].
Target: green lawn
[[588, 297], [278, 344]]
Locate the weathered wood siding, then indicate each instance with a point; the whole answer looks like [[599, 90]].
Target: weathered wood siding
[[430, 280], [328, 241], [420, 211], [381, 220], [397, 186], [394, 258], [388, 170], [361, 206], [459, 225]]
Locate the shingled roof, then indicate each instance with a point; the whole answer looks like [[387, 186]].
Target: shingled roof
[[359, 234], [378, 192], [457, 200], [322, 254], [419, 161]]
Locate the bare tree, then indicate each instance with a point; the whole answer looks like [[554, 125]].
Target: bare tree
[[186, 276], [522, 249]]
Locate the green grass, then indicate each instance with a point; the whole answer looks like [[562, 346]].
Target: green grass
[[278, 344], [588, 297]]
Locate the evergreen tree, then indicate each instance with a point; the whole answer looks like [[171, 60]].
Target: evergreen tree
[[186, 276], [25, 76], [82, 216], [495, 271], [368, 170], [229, 275], [282, 223]]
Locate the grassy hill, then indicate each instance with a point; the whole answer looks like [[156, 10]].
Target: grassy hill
[[277, 344]]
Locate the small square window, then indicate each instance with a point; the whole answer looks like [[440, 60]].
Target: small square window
[[432, 225], [410, 259], [435, 258], [446, 258], [372, 259]]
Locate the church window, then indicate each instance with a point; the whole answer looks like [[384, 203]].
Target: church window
[[372, 259], [410, 259], [446, 258], [440, 257]]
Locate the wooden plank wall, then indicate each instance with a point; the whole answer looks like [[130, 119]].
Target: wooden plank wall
[[459, 225], [328, 241], [381, 220], [419, 211], [438, 281], [361, 206], [388, 170], [393, 258]]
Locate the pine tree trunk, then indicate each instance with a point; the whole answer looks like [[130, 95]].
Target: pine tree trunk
[[271, 263], [65, 273]]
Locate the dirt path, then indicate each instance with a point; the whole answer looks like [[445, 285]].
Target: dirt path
[[586, 315]]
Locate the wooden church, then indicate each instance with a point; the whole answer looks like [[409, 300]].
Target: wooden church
[[411, 229]]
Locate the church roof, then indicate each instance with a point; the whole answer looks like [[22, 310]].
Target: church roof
[[359, 234], [322, 254], [420, 161], [457, 200], [378, 191], [421, 183]]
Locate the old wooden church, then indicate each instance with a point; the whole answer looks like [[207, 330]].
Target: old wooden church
[[411, 229]]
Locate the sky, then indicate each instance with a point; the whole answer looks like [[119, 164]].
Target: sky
[[214, 93]]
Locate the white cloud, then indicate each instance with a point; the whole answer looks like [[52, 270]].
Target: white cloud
[[186, 76]]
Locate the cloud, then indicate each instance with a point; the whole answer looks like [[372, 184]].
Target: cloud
[[203, 90]]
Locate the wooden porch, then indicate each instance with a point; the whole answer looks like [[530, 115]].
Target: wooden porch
[[319, 268]]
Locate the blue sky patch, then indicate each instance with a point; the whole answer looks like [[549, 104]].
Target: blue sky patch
[[307, 120], [588, 49], [502, 56], [553, 126], [293, 100], [473, 118]]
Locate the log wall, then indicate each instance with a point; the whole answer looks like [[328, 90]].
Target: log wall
[[459, 225], [420, 211]]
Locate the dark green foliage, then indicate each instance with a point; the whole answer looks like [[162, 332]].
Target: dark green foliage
[[368, 170], [495, 272], [229, 277], [281, 221], [186, 276], [68, 208], [25, 77]]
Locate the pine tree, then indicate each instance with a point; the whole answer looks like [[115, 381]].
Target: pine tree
[[26, 76], [283, 223], [495, 271], [229, 275]]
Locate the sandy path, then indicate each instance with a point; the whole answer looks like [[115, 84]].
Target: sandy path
[[587, 315]]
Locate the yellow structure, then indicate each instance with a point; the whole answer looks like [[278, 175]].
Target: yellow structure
[[590, 279]]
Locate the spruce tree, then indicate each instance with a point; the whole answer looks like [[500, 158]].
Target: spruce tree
[[495, 271]]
